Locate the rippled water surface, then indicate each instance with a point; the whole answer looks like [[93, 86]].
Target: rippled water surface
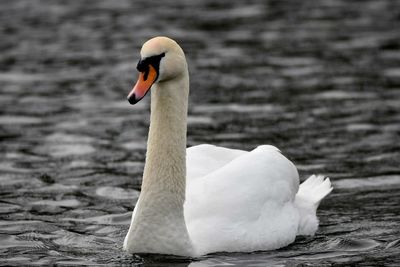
[[318, 79]]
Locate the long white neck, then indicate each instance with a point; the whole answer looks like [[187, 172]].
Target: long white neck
[[166, 147], [158, 224]]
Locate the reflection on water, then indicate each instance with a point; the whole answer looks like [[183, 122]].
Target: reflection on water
[[320, 80]]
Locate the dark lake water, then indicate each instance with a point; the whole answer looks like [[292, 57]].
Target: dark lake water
[[318, 79]]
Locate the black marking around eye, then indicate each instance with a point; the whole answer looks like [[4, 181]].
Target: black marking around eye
[[143, 65]]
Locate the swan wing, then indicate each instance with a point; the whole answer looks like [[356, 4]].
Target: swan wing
[[245, 205], [204, 159]]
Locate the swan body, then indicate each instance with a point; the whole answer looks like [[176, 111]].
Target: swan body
[[206, 198]]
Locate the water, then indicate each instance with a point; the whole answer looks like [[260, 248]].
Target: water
[[320, 80]]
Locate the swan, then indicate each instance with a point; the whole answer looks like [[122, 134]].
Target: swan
[[204, 199]]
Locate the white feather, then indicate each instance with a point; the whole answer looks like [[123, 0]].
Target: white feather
[[310, 194]]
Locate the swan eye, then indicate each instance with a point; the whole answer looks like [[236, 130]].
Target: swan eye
[[149, 69], [143, 65]]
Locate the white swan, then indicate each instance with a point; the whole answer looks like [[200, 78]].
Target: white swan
[[205, 198]]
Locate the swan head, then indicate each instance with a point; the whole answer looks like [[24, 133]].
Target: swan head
[[162, 59]]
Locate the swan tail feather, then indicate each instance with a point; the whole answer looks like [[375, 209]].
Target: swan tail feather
[[307, 200]]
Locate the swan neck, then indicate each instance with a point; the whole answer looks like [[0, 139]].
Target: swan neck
[[158, 223], [165, 167]]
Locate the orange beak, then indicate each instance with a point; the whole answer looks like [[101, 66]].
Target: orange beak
[[143, 85]]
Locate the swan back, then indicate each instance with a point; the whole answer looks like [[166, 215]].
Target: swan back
[[244, 205]]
